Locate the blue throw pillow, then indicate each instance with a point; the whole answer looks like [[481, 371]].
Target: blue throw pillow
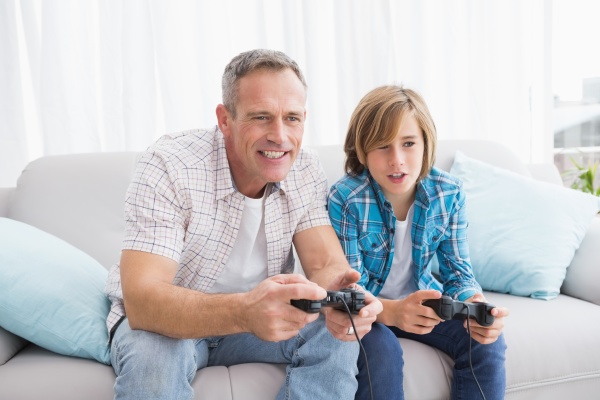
[[522, 233], [51, 293]]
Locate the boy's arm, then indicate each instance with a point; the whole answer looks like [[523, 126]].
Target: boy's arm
[[455, 268]]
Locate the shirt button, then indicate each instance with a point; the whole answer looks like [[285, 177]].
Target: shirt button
[[374, 245], [393, 230]]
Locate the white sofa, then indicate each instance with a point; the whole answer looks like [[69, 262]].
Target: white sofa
[[553, 346]]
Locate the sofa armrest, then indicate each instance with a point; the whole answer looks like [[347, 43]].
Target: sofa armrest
[[9, 345], [583, 275], [5, 194]]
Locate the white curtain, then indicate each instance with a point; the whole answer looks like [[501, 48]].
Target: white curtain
[[112, 75]]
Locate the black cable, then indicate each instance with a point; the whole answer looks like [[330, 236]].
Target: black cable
[[470, 363], [359, 343]]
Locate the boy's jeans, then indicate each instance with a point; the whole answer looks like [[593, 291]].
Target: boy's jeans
[[152, 366], [451, 337]]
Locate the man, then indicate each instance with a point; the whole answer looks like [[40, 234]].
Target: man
[[205, 273]]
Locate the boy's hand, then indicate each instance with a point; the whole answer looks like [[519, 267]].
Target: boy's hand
[[489, 334], [338, 322]]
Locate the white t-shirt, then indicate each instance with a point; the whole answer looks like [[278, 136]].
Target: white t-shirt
[[400, 282], [247, 263]]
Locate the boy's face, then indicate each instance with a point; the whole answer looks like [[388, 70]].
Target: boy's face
[[396, 167], [264, 139]]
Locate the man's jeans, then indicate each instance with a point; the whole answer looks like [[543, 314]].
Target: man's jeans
[[450, 337], [152, 366]]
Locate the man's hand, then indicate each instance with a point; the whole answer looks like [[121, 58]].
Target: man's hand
[[338, 322], [489, 334], [269, 314], [409, 314]]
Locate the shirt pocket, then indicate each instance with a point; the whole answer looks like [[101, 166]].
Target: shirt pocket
[[373, 245], [437, 228]]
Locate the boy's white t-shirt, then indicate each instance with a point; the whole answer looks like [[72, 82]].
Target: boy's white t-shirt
[[247, 263], [400, 281]]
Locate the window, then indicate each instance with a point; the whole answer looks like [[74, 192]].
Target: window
[[576, 86]]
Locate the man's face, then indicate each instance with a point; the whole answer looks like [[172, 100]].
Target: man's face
[[264, 139]]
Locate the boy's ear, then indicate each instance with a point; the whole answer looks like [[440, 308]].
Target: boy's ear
[[361, 158]]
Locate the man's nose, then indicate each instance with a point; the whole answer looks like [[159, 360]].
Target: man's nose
[[276, 131]]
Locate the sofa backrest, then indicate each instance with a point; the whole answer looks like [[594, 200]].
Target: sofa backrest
[[80, 198]]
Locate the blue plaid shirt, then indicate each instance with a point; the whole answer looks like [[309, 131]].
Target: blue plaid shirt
[[364, 222]]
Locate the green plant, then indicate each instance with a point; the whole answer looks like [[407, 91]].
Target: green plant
[[584, 177]]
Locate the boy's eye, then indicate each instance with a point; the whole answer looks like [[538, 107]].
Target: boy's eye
[[409, 144]]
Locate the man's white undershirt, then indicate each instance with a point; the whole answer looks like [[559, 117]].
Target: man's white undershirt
[[247, 263]]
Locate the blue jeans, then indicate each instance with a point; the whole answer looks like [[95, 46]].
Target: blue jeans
[[384, 356], [450, 337], [152, 366]]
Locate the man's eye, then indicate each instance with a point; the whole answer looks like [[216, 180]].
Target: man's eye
[[260, 117]]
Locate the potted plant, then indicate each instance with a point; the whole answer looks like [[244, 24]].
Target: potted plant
[[584, 177]]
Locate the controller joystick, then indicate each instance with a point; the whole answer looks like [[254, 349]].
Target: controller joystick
[[447, 308]]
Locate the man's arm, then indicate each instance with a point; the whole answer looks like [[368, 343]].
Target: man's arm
[[154, 304], [321, 256], [323, 261]]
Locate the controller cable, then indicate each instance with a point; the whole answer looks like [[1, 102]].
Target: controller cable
[[339, 298], [470, 339]]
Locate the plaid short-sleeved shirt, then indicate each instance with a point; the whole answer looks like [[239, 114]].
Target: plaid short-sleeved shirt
[[364, 222], [182, 204]]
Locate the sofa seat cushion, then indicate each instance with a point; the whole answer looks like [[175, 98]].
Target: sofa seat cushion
[[552, 345], [36, 373]]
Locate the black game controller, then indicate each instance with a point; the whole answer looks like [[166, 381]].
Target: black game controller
[[335, 299], [446, 309]]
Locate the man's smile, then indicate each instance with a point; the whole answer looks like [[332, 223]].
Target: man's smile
[[273, 154]]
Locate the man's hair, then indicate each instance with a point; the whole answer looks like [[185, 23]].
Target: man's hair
[[375, 123], [250, 61]]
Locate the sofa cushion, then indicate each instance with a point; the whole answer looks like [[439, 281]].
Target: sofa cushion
[[51, 293], [523, 233]]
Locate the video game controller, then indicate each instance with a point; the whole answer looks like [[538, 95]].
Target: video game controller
[[335, 299], [447, 309]]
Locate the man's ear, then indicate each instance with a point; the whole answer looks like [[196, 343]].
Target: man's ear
[[223, 118]]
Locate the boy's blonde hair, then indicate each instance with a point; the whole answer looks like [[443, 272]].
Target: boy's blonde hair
[[376, 121]]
